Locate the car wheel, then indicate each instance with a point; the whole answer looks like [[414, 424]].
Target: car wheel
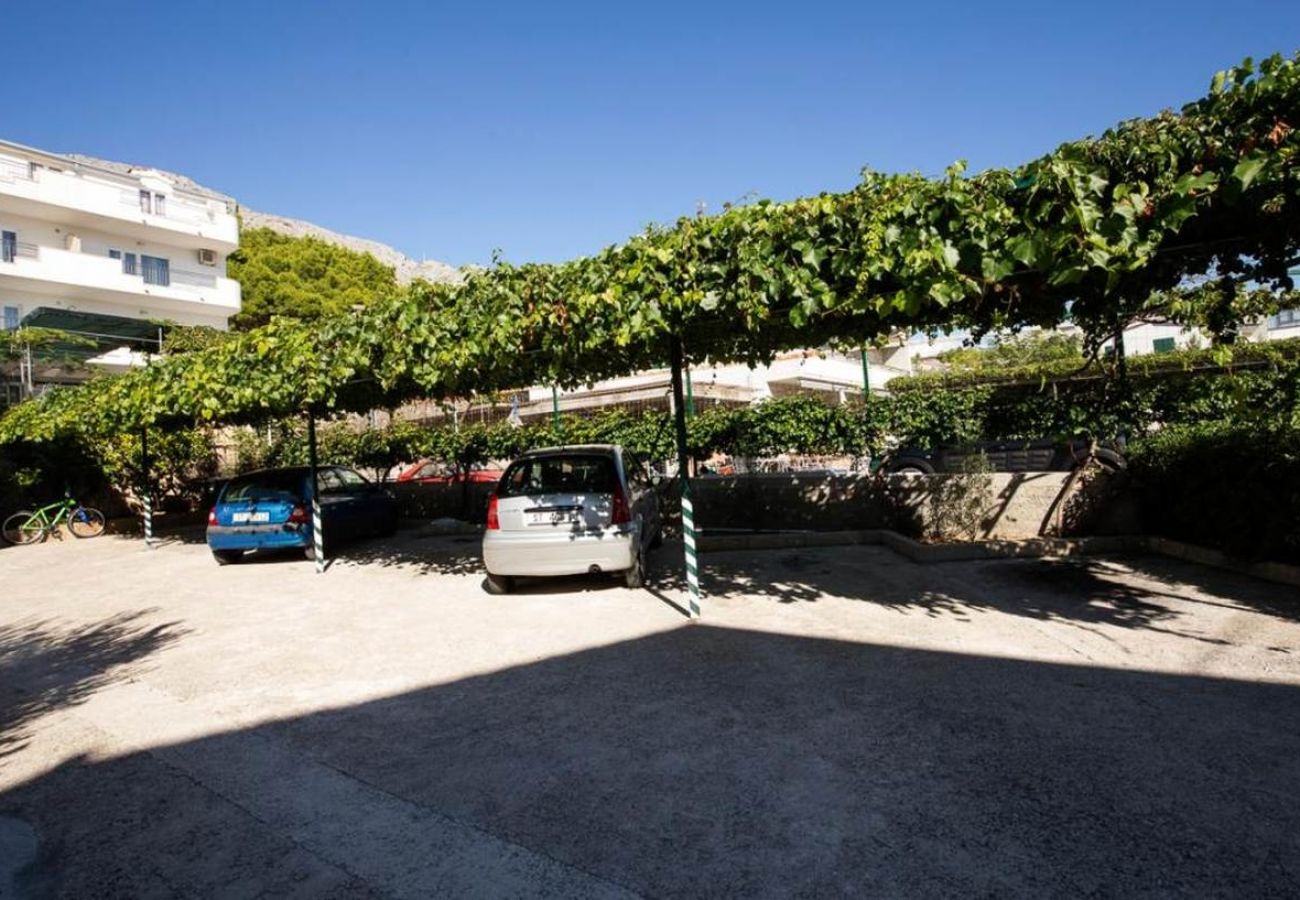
[[226, 557], [498, 584]]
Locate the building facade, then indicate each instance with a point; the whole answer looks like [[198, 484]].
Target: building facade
[[109, 253]]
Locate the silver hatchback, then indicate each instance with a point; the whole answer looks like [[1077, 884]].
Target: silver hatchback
[[570, 510]]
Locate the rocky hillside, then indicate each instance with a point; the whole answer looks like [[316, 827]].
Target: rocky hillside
[[405, 268]]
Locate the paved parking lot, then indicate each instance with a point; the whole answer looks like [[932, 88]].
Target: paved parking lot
[[841, 721]]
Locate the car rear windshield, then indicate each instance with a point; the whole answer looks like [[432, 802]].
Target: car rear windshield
[[264, 486], [577, 474]]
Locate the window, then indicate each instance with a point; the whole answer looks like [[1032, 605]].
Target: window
[[351, 480], [1163, 345], [11, 318], [155, 270], [151, 203], [329, 480], [8, 246], [128, 261], [559, 475], [1287, 318]]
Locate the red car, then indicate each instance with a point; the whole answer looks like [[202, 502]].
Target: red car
[[427, 471]]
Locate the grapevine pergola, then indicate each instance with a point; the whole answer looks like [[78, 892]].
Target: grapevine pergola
[[1090, 232]]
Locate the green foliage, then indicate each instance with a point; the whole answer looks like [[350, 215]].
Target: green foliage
[[188, 338], [1090, 231], [302, 278], [1035, 348], [1231, 487]]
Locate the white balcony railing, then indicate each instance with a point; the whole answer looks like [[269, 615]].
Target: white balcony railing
[[211, 216], [102, 273]]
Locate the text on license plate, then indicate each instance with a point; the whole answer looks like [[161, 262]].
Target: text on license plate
[[251, 517], [551, 517]]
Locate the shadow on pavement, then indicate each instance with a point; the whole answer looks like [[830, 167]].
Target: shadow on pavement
[[45, 667], [718, 761], [1139, 592]]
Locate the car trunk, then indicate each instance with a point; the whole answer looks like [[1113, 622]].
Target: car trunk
[[267, 500], [569, 493]]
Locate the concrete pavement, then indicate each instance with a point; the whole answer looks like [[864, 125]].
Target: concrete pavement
[[843, 721]]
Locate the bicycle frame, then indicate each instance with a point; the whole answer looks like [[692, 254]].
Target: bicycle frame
[[61, 511]]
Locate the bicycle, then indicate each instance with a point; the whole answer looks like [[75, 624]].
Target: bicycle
[[28, 526]]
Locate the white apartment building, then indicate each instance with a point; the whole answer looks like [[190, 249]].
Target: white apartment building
[[110, 253]]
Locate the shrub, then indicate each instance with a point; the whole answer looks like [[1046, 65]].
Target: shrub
[[1231, 487]]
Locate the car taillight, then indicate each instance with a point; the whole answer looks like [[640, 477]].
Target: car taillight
[[212, 516], [622, 514], [493, 520], [298, 515]]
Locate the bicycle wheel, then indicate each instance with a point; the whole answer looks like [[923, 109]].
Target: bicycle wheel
[[85, 522], [23, 528]]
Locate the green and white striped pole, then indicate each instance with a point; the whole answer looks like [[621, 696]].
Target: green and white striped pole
[[688, 508], [146, 488], [317, 532]]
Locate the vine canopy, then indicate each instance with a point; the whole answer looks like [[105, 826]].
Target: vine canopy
[[1090, 232]]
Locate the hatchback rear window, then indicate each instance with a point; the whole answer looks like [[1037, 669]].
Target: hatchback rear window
[[558, 475], [264, 486]]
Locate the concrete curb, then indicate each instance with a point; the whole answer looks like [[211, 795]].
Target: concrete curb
[[1034, 548]]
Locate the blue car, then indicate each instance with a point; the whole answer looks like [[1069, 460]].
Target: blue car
[[271, 510]]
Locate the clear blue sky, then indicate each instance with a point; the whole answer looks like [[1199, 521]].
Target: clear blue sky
[[551, 129]]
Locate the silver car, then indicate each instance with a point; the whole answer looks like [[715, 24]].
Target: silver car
[[570, 510]]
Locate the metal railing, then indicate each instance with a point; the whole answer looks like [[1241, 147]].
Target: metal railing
[[185, 278], [177, 208], [11, 250]]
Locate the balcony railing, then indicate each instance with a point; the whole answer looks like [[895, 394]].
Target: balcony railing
[[11, 250], [177, 206], [193, 279], [147, 272]]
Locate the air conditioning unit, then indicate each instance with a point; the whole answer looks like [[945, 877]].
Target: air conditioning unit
[[207, 257]]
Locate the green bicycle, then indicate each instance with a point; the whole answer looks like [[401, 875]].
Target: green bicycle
[[28, 527]]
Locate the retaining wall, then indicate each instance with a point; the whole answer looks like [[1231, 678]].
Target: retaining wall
[[1008, 506]]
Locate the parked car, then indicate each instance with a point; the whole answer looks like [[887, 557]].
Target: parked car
[[570, 510], [1044, 455], [271, 510], [428, 471]]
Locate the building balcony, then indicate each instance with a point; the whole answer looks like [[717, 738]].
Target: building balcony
[[152, 290], [98, 201]]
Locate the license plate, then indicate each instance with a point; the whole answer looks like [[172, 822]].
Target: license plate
[[251, 517], [551, 518]]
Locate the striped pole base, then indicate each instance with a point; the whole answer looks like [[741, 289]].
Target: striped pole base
[[692, 560], [317, 535], [148, 520]]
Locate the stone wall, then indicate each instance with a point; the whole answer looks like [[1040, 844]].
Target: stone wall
[[1005, 505]]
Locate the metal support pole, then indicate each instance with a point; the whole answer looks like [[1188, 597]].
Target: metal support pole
[[317, 532], [866, 378], [146, 488], [690, 395], [688, 508], [555, 409]]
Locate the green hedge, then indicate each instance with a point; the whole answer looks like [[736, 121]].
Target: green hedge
[[1234, 488]]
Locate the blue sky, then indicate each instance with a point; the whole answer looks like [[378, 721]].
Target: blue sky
[[548, 130]]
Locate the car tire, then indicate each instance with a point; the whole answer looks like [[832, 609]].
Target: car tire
[[498, 584], [226, 557]]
